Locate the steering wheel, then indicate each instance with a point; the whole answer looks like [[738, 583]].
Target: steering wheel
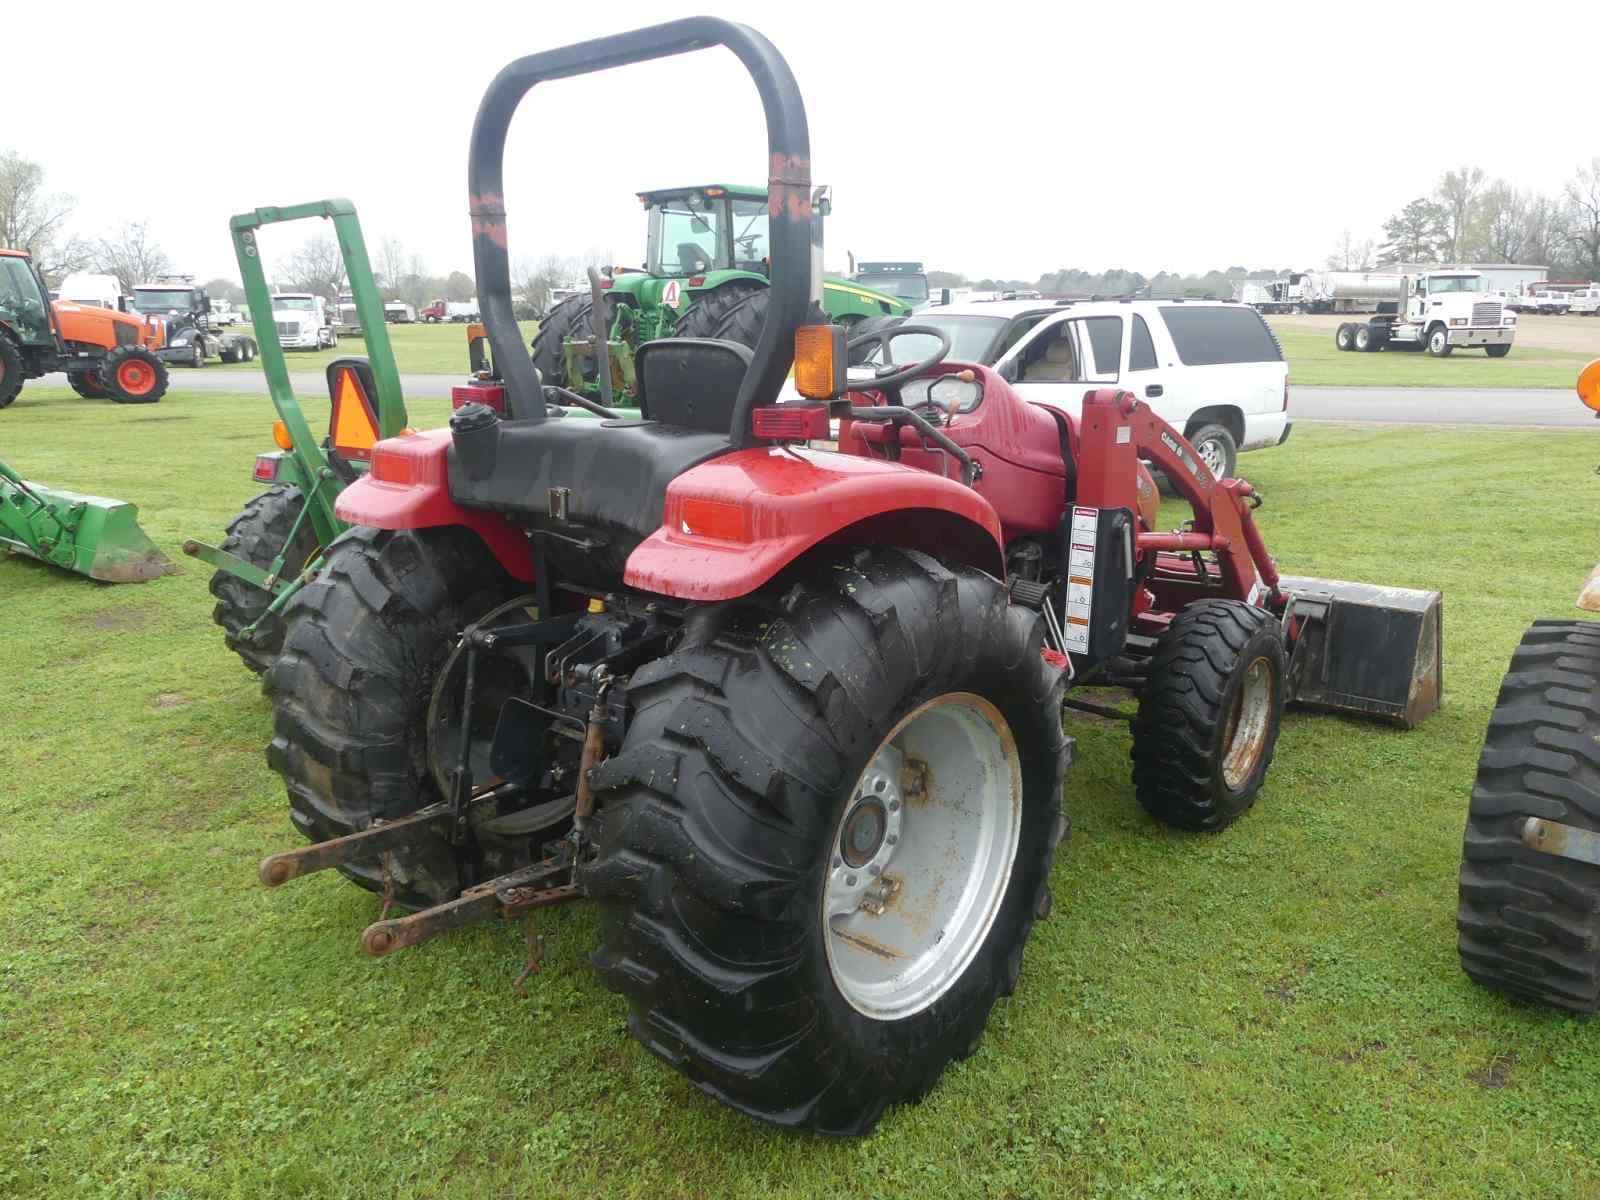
[[889, 376]]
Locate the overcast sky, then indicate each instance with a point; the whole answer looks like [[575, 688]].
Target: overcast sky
[[987, 138]]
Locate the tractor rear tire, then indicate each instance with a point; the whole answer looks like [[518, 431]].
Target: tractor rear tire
[[1529, 921], [1499, 351], [1209, 715], [568, 319], [133, 375], [702, 317], [87, 384], [725, 821], [11, 379], [258, 535], [1344, 337], [351, 688]]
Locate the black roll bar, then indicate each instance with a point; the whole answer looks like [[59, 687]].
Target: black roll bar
[[788, 195]]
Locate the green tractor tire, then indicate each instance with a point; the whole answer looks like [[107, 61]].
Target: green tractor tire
[[569, 319], [702, 318]]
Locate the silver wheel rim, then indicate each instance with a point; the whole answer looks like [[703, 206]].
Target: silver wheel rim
[[1245, 737], [1211, 454], [921, 857]]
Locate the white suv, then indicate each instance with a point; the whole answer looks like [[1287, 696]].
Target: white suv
[[1211, 368]]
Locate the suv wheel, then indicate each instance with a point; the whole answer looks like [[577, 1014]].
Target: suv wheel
[[1217, 449]]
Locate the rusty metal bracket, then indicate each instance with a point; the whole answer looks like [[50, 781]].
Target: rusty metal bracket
[[509, 895], [1564, 841], [278, 869]]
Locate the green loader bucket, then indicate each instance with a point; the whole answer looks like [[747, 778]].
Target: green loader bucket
[[91, 535]]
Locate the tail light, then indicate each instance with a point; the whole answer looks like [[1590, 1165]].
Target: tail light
[[607, 282], [266, 468], [697, 280], [491, 394], [790, 422]]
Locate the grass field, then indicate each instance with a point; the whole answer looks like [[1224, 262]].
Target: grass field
[[1276, 1011], [418, 349], [1548, 352]]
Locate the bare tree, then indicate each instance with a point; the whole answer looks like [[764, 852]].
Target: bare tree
[[1542, 231], [459, 286], [1503, 216], [534, 278], [132, 255], [1582, 232], [316, 267], [1457, 195], [1349, 254], [391, 266], [33, 219]]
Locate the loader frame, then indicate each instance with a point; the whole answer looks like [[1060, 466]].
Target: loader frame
[[309, 465]]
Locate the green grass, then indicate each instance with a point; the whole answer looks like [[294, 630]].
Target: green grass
[[1273, 1011], [1314, 360], [418, 349]]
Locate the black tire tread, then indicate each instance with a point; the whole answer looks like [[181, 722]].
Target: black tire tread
[[351, 684], [1177, 727], [258, 534], [119, 355], [11, 370], [1529, 922], [702, 318], [727, 784]]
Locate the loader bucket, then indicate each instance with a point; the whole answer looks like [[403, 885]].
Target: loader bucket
[[91, 535], [1363, 649]]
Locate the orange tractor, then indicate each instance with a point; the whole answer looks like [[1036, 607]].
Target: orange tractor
[[103, 353]]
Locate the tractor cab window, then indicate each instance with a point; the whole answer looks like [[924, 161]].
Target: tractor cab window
[[688, 236], [21, 305], [751, 250]]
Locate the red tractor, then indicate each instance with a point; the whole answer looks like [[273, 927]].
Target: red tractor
[[781, 685]]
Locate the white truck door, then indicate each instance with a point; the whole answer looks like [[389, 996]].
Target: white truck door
[[1062, 357]]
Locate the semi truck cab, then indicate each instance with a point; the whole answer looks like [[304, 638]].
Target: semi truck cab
[[1457, 306]]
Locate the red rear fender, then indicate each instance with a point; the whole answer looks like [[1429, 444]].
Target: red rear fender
[[733, 523], [408, 488]]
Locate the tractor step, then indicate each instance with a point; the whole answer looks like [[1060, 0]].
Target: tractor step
[[509, 895], [277, 869], [1364, 649]]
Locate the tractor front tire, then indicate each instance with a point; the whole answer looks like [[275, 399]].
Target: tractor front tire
[[702, 318], [363, 644], [11, 379], [87, 384], [1529, 921], [133, 375], [258, 535], [1209, 714], [761, 781]]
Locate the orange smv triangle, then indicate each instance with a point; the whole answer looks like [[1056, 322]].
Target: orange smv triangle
[[355, 429]]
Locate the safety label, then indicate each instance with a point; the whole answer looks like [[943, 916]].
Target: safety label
[[1080, 579]]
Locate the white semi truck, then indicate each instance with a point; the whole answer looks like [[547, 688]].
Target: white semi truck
[[1437, 311], [303, 321]]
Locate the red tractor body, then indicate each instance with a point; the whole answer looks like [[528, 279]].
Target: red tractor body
[[780, 685]]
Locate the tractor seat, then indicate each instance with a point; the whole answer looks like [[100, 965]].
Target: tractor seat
[[691, 383], [608, 477], [692, 258]]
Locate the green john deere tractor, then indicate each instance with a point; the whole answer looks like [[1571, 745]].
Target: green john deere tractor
[[706, 250]]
